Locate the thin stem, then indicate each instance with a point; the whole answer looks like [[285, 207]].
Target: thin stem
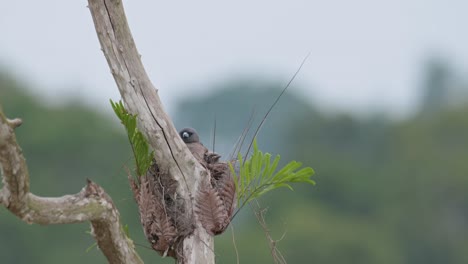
[[276, 101]]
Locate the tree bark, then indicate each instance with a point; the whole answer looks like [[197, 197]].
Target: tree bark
[[90, 204], [141, 98]]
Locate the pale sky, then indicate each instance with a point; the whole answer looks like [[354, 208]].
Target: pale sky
[[366, 55]]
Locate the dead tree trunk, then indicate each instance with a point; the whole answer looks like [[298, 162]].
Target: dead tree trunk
[[141, 98], [92, 203]]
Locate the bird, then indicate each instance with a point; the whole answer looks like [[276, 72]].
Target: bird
[[216, 201], [192, 140]]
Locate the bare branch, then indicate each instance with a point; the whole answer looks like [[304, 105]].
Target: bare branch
[[14, 123], [141, 98], [278, 258], [139, 94], [234, 243], [90, 204]]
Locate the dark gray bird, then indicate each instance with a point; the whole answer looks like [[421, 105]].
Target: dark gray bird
[[192, 140]]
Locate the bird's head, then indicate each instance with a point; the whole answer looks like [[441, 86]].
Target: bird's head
[[189, 135]]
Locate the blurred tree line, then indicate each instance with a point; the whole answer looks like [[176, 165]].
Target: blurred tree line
[[389, 191]]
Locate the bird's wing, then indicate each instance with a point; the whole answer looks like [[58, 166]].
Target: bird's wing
[[198, 151]]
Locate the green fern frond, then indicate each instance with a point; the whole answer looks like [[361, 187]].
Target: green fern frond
[[257, 175], [140, 147]]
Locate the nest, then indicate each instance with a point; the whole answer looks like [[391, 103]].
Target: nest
[[162, 212], [216, 202]]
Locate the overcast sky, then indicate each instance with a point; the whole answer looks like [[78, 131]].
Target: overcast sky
[[365, 54]]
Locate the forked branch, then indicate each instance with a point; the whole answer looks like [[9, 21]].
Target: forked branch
[[90, 204]]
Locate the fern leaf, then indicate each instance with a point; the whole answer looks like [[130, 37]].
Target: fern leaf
[[140, 148], [211, 211]]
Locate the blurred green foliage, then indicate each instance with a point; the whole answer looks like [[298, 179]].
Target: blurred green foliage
[[389, 191]]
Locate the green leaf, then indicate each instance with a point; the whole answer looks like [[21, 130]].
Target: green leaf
[[141, 151], [257, 175]]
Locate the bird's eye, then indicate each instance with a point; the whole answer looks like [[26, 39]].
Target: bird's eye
[[185, 135]]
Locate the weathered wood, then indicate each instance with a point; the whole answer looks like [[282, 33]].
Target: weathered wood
[[141, 98], [90, 204]]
